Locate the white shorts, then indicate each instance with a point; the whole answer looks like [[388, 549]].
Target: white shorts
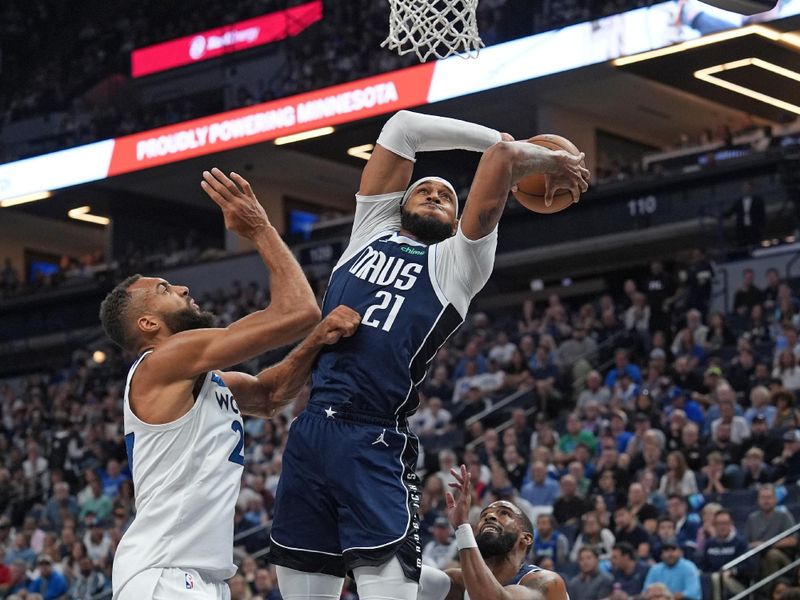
[[171, 584]]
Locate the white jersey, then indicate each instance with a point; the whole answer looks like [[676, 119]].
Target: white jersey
[[186, 479]]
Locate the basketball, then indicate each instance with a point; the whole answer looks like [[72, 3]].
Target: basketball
[[530, 191]]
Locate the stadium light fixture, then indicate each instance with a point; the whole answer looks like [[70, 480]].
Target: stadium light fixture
[[25, 199], [82, 214], [364, 151], [303, 135], [714, 38], [709, 76]]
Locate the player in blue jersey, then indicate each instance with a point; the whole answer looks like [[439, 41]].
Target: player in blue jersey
[[348, 493], [493, 565]]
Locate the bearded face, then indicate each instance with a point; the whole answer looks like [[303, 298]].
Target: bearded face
[[493, 540], [188, 318], [425, 228]]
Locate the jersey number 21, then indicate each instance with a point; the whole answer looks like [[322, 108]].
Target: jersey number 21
[[375, 317]]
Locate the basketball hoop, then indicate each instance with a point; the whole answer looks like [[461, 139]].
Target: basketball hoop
[[436, 28]]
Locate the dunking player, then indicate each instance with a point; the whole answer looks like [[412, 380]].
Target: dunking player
[[183, 428], [348, 493], [493, 564]]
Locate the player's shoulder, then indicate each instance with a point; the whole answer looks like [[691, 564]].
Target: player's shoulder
[[544, 581]]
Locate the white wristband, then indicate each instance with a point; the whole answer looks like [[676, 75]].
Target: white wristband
[[464, 537]]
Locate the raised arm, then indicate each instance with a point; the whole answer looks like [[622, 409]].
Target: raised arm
[[477, 577], [273, 388], [292, 313], [390, 167], [506, 163]]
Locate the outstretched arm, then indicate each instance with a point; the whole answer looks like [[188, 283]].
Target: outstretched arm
[[390, 167], [479, 581], [273, 388], [173, 367], [506, 163]]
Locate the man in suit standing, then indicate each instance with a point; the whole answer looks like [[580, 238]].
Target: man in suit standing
[[750, 217]]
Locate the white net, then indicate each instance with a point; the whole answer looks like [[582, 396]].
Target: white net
[[433, 28]]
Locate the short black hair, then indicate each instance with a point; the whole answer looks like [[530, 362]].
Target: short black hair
[[113, 313], [626, 549]]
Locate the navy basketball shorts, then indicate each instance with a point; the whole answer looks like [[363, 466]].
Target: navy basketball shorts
[[347, 496]]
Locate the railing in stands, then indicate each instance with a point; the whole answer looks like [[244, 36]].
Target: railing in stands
[[752, 552]]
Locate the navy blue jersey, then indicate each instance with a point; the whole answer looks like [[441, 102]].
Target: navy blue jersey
[[411, 298], [403, 323]]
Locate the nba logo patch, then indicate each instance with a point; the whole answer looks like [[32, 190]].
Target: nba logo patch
[[189, 581]]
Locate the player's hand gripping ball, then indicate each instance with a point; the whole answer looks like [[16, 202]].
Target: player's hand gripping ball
[[530, 191]]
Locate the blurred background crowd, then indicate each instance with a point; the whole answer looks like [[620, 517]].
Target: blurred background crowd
[[640, 433]]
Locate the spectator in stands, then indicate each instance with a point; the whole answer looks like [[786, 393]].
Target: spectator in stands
[[21, 550], [764, 438], [641, 509], [786, 467], [579, 346], [719, 335], [622, 365], [94, 500], [748, 295], [721, 549], [19, 580], [637, 316], [472, 355], [239, 589], [700, 276], [760, 406], [265, 586], [88, 581], [438, 385], [111, 478], [659, 287], [788, 340], [739, 427], [750, 217], [685, 378], [61, 506], [593, 535], [764, 524], [771, 289], [678, 479], [754, 470], [541, 490], [628, 571], [678, 574], [741, 371], [686, 524], [716, 472], [550, 546], [441, 550], [590, 583], [569, 507], [657, 591], [51, 584], [787, 370], [574, 435], [784, 402], [628, 530]]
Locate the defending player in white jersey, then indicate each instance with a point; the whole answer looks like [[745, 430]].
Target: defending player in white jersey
[[348, 492], [183, 415]]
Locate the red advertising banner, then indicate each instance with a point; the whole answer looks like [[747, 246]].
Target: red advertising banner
[[329, 106], [222, 40]]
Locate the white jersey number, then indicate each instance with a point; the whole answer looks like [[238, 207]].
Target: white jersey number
[[385, 301]]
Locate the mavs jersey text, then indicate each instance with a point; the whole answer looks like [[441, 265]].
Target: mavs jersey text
[[348, 493], [179, 470]]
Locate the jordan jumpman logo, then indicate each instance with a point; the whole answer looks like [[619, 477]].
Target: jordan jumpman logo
[[380, 439]]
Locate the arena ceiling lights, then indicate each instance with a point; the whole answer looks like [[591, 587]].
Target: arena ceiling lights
[[754, 69], [709, 75], [25, 199], [82, 213]]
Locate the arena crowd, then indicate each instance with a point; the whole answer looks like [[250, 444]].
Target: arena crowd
[[649, 440]]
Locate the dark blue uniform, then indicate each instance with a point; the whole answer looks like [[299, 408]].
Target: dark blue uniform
[[348, 491]]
